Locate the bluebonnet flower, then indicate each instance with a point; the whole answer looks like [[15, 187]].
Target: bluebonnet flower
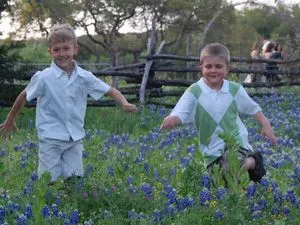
[[74, 217], [286, 211], [296, 174], [146, 167], [130, 179], [142, 216], [172, 172], [264, 183], [2, 153], [89, 222], [256, 214], [21, 220], [274, 185], [85, 154], [138, 159], [58, 200], [184, 161], [34, 176], [219, 215], [110, 171], [156, 215], [54, 209], [32, 145], [28, 211], [191, 149], [106, 214], [205, 181], [2, 213], [220, 193], [67, 222], [146, 189], [275, 210], [89, 169], [277, 196], [62, 215], [46, 211], [278, 163], [262, 204], [205, 197], [250, 191], [171, 195], [155, 174], [291, 196], [23, 164], [185, 202], [5, 195], [132, 189], [13, 206], [170, 209], [17, 148], [132, 214]]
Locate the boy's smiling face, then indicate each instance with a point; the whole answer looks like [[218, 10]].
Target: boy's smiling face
[[214, 69], [63, 53]]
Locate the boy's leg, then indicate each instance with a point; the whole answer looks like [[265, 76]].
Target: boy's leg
[[258, 171], [72, 159], [49, 158], [253, 162]]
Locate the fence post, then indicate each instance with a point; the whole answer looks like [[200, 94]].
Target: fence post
[[148, 65], [189, 53]]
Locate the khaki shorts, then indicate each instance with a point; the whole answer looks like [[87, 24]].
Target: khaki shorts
[[60, 158]]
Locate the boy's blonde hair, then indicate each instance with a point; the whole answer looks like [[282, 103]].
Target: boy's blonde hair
[[61, 33], [215, 49]]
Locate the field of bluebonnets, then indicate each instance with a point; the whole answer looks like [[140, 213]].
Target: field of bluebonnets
[[137, 174]]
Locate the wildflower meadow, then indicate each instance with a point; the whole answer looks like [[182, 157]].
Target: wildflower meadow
[[137, 174]]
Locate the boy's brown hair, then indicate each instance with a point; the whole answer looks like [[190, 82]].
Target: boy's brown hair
[[215, 49], [61, 33]]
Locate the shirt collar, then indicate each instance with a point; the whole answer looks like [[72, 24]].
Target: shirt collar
[[59, 72], [205, 88]]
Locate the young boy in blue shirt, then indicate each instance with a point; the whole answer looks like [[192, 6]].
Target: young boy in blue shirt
[[213, 104], [61, 91]]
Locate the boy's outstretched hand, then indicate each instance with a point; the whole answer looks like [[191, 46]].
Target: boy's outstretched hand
[[130, 108], [170, 122], [7, 127], [268, 133]]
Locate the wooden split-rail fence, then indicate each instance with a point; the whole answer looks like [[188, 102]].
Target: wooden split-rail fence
[[162, 75]]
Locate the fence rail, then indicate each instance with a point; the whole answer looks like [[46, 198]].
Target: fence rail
[[148, 80]]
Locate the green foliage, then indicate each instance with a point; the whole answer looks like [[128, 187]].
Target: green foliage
[[39, 197], [8, 58], [35, 53], [137, 149], [235, 175], [9, 93]]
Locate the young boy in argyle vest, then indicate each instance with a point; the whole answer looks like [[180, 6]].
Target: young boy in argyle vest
[[213, 104]]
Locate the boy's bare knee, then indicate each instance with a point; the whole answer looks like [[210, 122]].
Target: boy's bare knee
[[249, 163]]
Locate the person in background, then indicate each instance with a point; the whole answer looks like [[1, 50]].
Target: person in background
[[254, 54], [61, 91], [266, 41], [255, 51], [213, 104], [274, 55]]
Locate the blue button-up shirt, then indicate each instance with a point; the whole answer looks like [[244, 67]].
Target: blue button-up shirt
[[62, 102]]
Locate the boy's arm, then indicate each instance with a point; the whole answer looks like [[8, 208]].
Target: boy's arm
[[170, 122], [119, 98], [267, 130], [9, 124]]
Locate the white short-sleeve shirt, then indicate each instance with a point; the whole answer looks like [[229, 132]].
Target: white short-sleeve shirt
[[62, 102], [214, 108]]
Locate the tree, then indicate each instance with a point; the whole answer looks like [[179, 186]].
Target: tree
[[102, 20]]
